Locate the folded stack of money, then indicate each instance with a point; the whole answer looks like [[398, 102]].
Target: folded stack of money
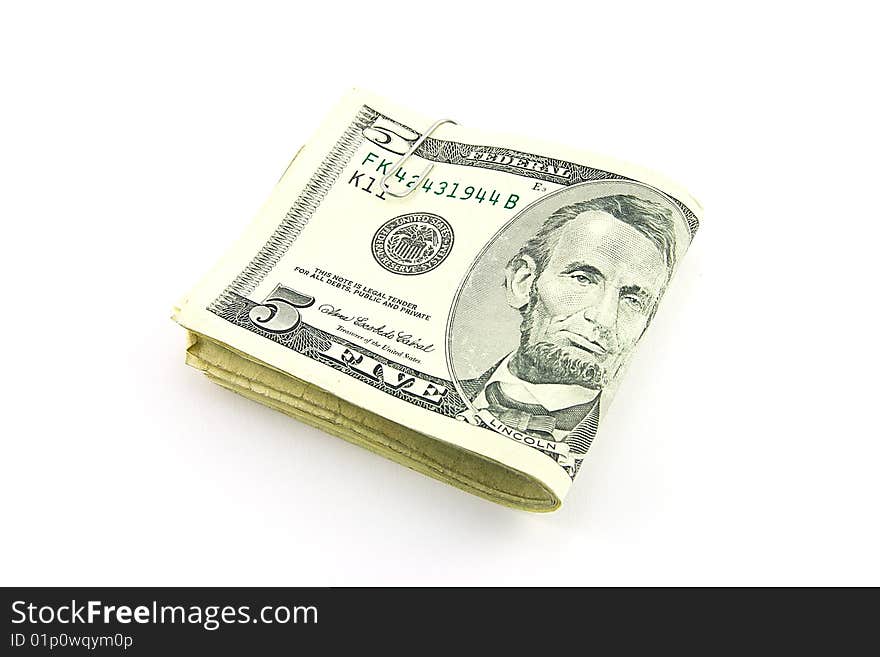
[[459, 302]]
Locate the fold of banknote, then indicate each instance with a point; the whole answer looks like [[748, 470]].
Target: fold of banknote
[[468, 311]]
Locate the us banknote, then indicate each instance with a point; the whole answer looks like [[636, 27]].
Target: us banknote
[[460, 302]]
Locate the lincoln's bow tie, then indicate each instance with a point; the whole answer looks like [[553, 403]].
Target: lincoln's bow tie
[[533, 417]]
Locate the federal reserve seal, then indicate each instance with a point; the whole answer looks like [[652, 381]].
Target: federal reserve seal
[[413, 243]]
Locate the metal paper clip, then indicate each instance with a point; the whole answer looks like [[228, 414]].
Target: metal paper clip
[[412, 149]]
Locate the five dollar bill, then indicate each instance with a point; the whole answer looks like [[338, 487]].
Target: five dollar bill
[[467, 311]]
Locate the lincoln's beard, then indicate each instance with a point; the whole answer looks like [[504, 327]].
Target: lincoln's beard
[[546, 362]]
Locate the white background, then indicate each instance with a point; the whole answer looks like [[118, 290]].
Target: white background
[[139, 139]]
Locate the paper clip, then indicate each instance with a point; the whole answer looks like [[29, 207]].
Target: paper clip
[[412, 149]]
